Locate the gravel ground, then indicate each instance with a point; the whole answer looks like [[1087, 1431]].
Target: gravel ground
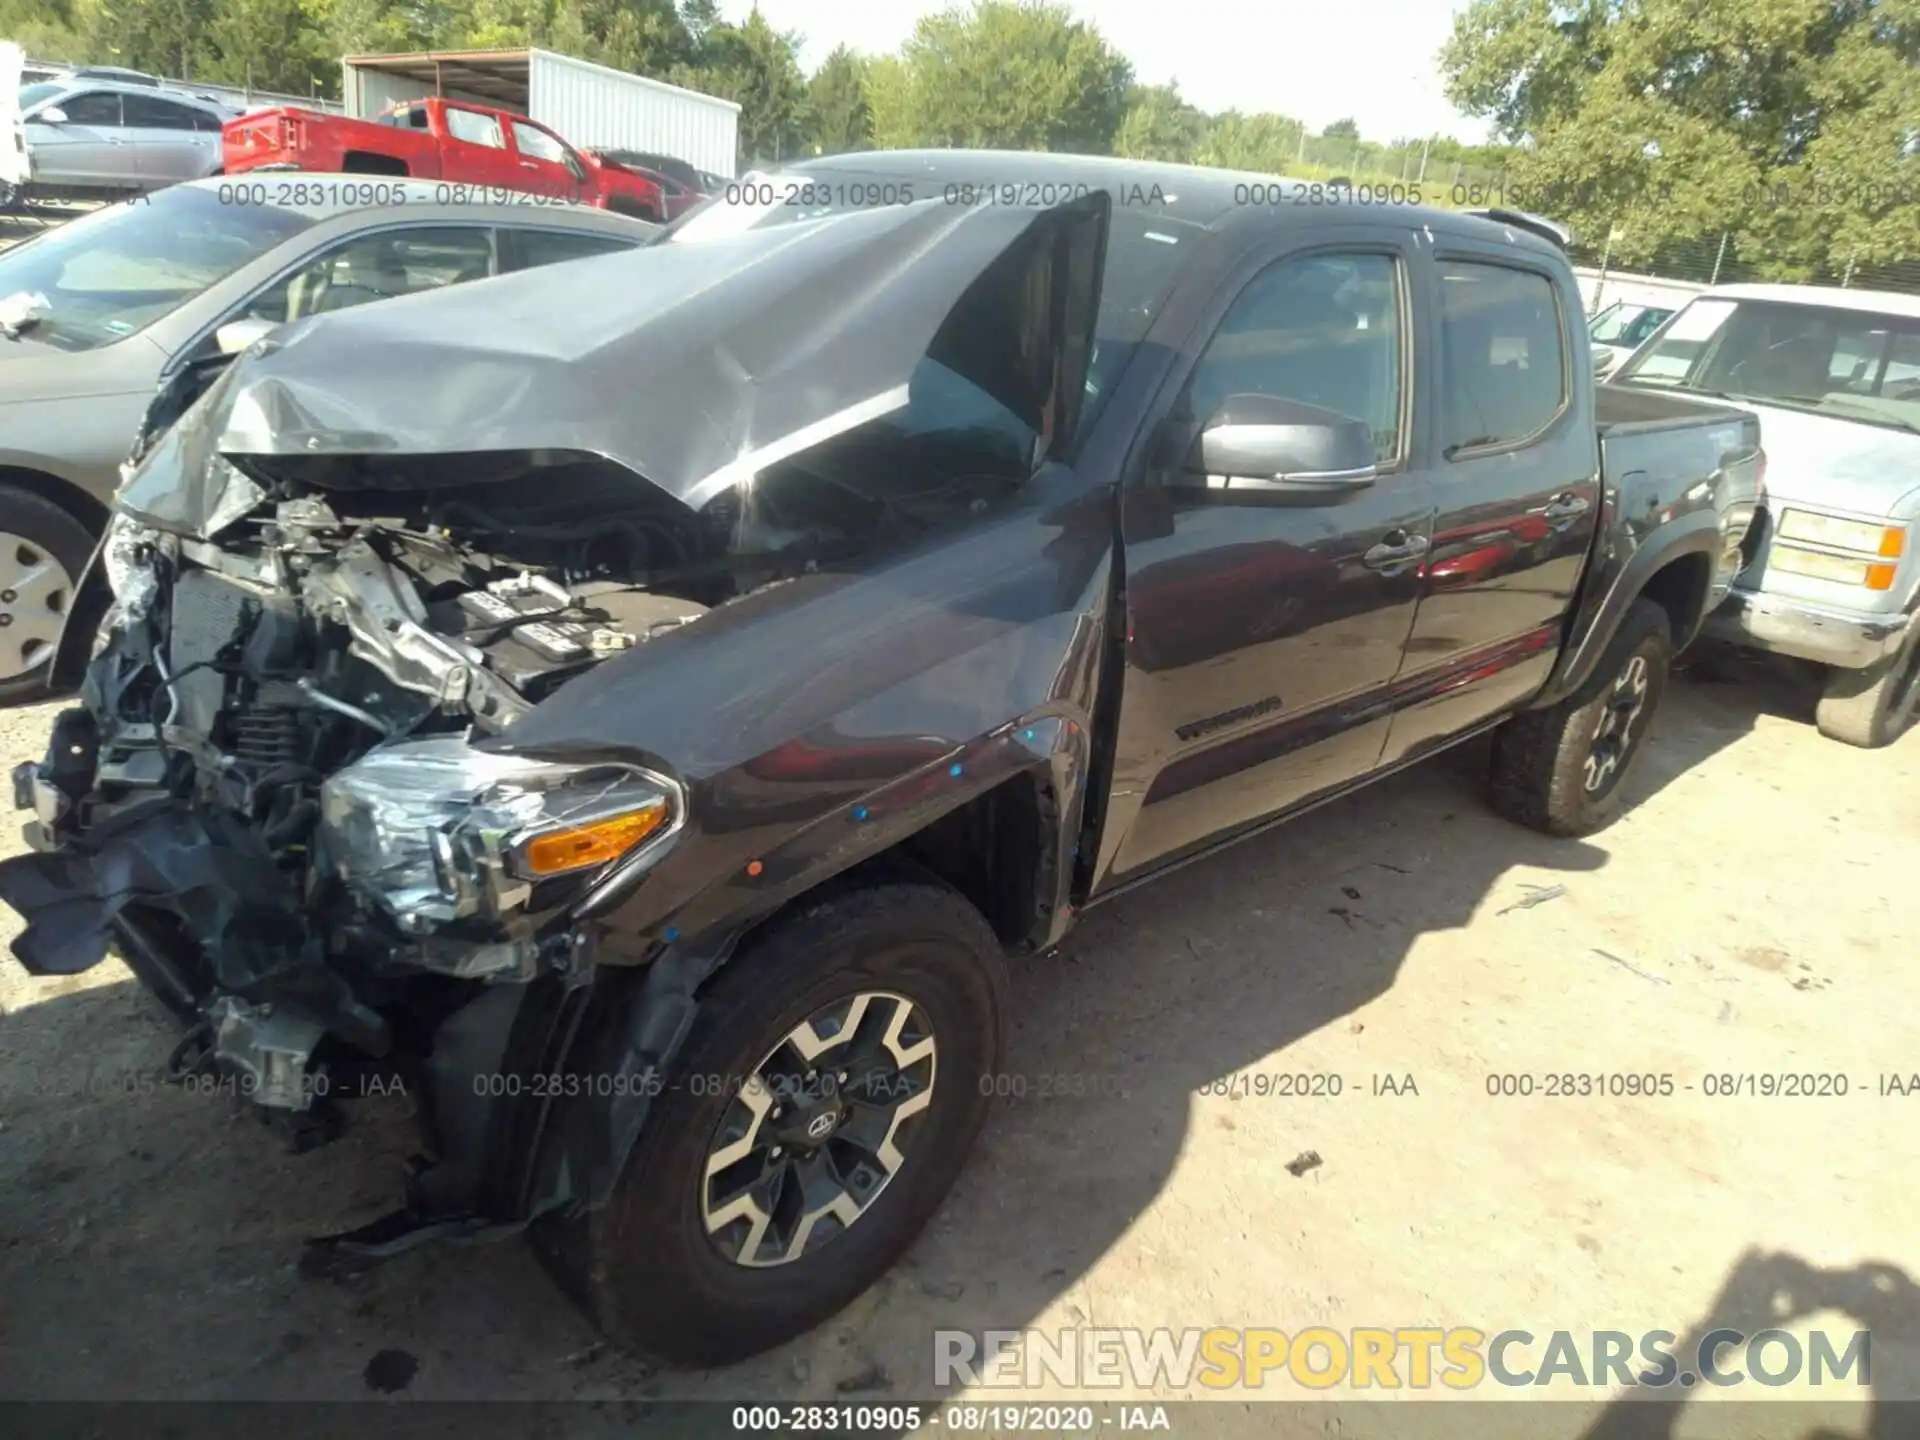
[[1753, 913]]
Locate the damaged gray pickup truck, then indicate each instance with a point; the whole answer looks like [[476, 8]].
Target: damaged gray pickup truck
[[641, 704]]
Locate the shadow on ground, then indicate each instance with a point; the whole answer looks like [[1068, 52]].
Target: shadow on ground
[[148, 1237], [1768, 1291]]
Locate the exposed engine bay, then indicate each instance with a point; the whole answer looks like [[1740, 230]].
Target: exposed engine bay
[[275, 773], [291, 797]]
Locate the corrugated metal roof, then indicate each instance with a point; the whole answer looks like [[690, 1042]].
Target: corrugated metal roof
[[502, 75]]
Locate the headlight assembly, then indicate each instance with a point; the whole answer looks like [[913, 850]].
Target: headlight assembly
[[434, 830], [1864, 537]]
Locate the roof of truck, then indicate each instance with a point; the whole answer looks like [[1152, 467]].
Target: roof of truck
[[1876, 302], [1198, 194]]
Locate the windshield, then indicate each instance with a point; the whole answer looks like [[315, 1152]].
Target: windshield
[[1850, 364], [32, 95], [113, 273], [1145, 249], [1625, 324]]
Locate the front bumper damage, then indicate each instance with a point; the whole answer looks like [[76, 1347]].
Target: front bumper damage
[[293, 797], [306, 974]]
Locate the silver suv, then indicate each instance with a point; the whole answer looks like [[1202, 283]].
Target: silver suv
[[95, 138]]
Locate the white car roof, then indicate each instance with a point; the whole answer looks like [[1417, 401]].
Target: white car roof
[[1876, 302]]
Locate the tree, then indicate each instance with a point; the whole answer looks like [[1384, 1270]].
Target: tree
[[365, 27], [1790, 125], [1347, 129], [838, 115], [760, 68], [1008, 75], [45, 29], [1264, 143], [167, 36], [1159, 125], [645, 37], [700, 17], [266, 45]]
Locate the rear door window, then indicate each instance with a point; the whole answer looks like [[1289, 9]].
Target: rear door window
[[532, 248], [1503, 355], [149, 112]]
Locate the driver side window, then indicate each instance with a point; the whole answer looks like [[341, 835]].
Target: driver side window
[[1324, 330]]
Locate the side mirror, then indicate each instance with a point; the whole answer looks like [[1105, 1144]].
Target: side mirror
[[237, 335], [49, 115], [1263, 444]]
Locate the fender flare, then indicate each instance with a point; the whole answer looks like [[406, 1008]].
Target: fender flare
[[575, 1161], [1617, 582]]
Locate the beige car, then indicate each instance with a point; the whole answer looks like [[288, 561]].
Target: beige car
[[97, 314]]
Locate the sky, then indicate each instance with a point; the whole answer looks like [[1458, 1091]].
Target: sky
[[1373, 60]]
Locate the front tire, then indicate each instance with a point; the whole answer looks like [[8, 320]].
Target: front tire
[[1875, 706], [1562, 770], [765, 1191], [43, 551]]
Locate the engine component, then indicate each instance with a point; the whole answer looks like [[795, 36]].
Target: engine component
[[209, 612], [268, 1048], [536, 634]]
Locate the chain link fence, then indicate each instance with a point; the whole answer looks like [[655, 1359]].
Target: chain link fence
[[1321, 157], [1717, 260]]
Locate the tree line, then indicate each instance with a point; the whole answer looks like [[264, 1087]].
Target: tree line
[[1002, 74], [1790, 128]]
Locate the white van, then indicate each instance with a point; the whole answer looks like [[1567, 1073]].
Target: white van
[[1834, 575]]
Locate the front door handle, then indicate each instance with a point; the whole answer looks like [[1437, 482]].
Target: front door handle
[[1396, 549], [1567, 506]]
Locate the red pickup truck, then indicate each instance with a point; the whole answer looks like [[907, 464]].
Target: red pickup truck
[[435, 139]]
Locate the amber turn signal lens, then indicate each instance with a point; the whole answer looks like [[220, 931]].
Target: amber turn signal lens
[[1880, 577], [1893, 541], [579, 846]]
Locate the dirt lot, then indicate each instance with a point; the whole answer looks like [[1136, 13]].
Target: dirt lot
[[1754, 913]]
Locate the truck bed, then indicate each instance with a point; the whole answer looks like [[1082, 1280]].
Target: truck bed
[[1670, 436]]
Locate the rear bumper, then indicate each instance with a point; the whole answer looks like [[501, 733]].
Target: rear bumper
[[1792, 627]]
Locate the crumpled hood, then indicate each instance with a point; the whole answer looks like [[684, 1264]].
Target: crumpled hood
[[693, 364]]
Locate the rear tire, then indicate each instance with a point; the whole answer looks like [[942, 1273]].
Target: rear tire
[[660, 1268], [1562, 770], [1873, 707], [43, 551]]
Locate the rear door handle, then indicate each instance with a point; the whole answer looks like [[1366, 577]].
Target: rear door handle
[[1566, 507], [1396, 549]]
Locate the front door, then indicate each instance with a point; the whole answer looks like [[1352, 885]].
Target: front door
[[89, 147], [1264, 632]]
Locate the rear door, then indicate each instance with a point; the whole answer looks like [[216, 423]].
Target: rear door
[[1265, 632], [90, 147], [1516, 489], [474, 150], [171, 141], [546, 166]]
